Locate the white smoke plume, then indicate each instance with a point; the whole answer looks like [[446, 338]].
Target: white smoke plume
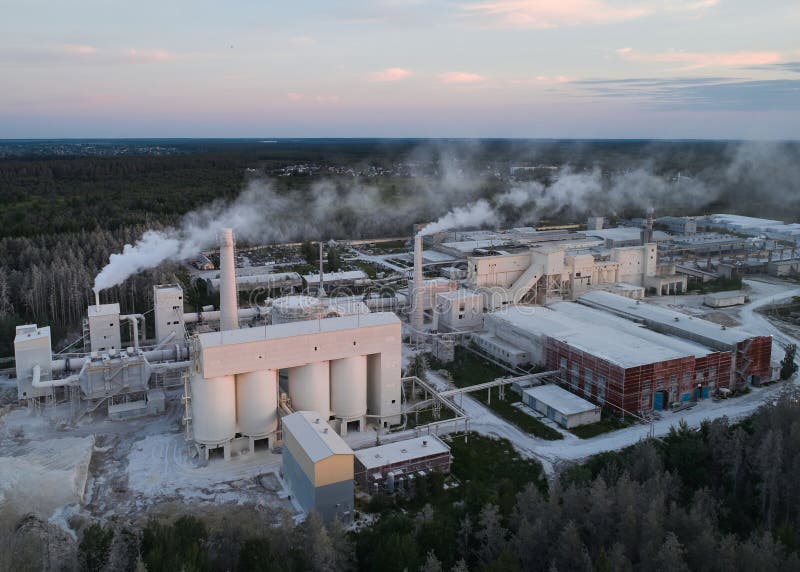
[[479, 213], [455, 193]]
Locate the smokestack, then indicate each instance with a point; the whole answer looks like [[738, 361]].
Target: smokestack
[[647, 226], [417, 313], [229, 312], [321, 291]]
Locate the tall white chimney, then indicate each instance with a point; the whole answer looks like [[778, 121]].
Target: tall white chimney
[[417, 310], [229, 311]]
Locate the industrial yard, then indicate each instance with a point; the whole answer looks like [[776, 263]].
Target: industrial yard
[[573, 327]]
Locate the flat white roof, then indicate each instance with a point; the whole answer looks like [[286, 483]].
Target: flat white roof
[[302, 328], [596, 338], [458, 294], [727, 295], [104, 310], [30, 332], [261, 278], [560, 399], [401, 451], [665, 316], [501, 343], [623, 233], [740, 221], [588, 314], [315, 436], [336, 276]]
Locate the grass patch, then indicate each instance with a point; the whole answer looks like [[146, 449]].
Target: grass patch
[[468, 369], [528, 423], [484, 460], [716, 285], [609, 422]]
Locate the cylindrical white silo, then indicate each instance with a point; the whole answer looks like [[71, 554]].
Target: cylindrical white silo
[[296, 309], [309, 388], [257, 403], [213, 409], [349, 387]]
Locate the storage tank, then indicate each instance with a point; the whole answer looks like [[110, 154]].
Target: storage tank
[[296, 308], [309, 388], [257, 403], [213, 409], [349, 387]]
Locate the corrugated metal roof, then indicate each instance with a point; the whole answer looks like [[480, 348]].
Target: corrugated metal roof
[[314, 435], [671, 318], [592, 337]]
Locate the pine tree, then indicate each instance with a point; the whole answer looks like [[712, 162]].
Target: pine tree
[[788, 367]]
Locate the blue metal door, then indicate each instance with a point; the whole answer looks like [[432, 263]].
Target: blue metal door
[[658, 401]]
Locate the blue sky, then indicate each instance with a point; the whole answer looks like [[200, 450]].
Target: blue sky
[[400, 68]]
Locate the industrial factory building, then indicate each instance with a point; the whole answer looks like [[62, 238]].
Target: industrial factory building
[[458, 311], [725, 299], [561, 406], [400, 462], [318, 466], [610, 359], [750, 354]]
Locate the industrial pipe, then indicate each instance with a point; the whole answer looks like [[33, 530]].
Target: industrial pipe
[[134, 320], [170, 366], [172, 354], [215, 315], [39, 384]]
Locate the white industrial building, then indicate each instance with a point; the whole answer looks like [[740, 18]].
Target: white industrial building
[[396, 465], [725, 299], [458, 311], [318, 466], [561, 406]]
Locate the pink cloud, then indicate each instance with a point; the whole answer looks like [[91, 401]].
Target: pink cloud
[[701, 59], [552, 79], [150, 55], [78, 49], [543, 14], [461, 77], [390, 74], [298, 97]]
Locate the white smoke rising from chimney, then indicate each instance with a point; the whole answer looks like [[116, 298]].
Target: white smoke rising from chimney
[[454, 182], [479, 213]]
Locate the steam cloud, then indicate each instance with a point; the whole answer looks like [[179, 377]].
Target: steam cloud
[[455, 196]]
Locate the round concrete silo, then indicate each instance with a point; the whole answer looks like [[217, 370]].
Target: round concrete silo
[[213, 409], [309, 388], [349, 387], [296, 308], [257, 403]]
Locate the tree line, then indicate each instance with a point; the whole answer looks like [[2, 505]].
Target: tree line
[[719, 498]]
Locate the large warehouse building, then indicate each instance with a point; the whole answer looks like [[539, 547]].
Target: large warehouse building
[[751, 354], [618, 362]]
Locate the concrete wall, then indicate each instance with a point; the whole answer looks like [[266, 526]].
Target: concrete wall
[[500, 270], [380, 343], [464, 312]]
